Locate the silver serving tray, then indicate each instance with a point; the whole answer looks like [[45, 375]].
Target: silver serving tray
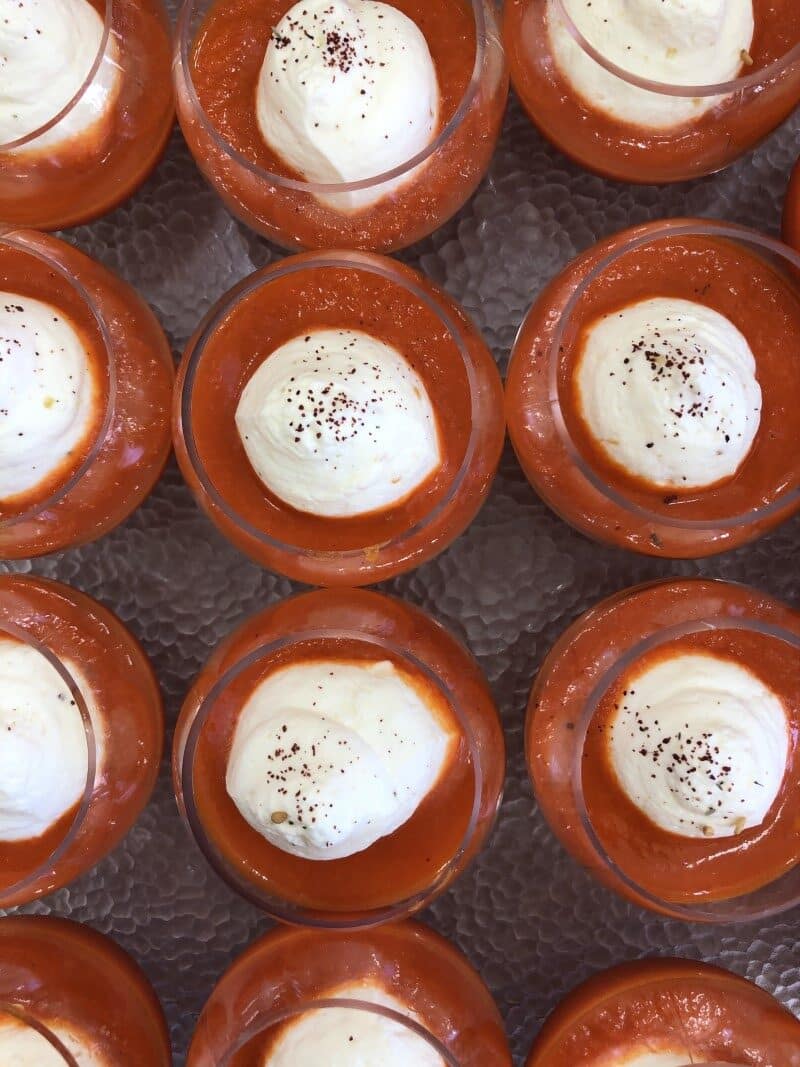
[[529, 919]]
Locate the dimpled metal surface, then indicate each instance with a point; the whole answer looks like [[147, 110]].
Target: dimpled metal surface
[[531, 922]]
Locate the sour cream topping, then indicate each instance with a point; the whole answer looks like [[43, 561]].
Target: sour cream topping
[[336, 423], [47, 51], [700, 745], [329, 756], [674, 42], [22, 1045], [48, 394], [348, 90], [668, 390], [44, 755], [353, 1037]]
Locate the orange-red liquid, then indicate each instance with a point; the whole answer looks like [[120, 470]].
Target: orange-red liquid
[[232, 41], [685, 868], [763, 305], [688, 1008], [56, 187], [296, 304], [392, 869], [628, 152]]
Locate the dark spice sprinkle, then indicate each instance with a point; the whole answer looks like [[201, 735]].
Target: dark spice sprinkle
[[11, 345], [342, 44], [344, 402], [300, 807], [677, 362], [681, 756]]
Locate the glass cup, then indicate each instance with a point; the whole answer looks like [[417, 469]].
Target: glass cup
[[120, 704], [83, 994], [133, 441], [390, 879], [291, 973], [707, 1011], [591, 656], [49, 183], [288, 210], [571, 482], [309, 548], [744, 110]]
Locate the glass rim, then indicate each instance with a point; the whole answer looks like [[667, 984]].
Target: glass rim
[[23, 885], [29, 242], [267, 1020], [185, 40], [260, 280], [283, 909], [720, 911], [753, 80], [27, 1018], [26, 139], [656, 982], [636, 238]]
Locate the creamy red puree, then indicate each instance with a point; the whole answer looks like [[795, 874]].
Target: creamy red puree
[[669, 1005], [121, 689], [625, 848], [629, 152], [394, 305], [126, 446], [401, 870], [217, 92], [289, 969], [75, 181], [682, 868], [61, 975], [567, 467]]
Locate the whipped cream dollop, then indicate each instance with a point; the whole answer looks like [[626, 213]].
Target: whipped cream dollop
[[668, 390], [353, 1037], [700, 745], [48, 394], [47, 51], [348, 91], [337, 423], [44, 755], [674, 42], [329, 756], [22, 1045]]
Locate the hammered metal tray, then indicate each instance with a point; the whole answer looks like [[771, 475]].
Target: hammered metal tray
[[529, 919]]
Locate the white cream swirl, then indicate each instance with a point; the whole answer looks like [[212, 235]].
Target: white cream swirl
[[44, 755], [353, 1037], [23, 1045], [700, 745], [674, 42], [48, 394], [330, 756], [337, 423], [47, 51], [348, 90], [668, 391]]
